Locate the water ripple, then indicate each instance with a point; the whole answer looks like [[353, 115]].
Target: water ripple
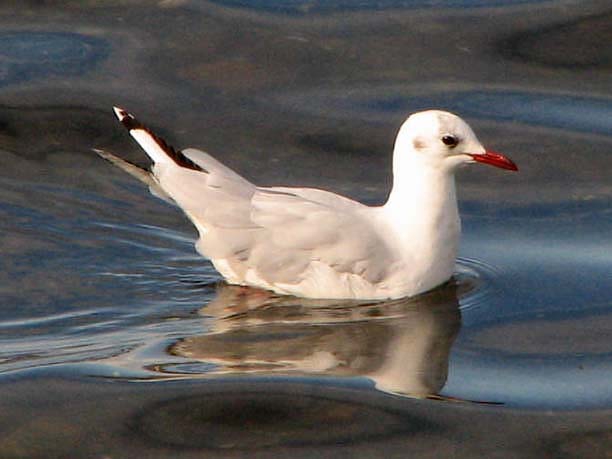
[[481, 280]]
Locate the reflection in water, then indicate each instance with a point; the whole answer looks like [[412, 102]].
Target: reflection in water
[[403, 345]]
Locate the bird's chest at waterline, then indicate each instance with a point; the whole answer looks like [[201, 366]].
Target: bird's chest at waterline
[[439, 234], [427, 249]]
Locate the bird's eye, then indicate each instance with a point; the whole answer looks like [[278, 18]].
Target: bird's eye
[[450, 140]]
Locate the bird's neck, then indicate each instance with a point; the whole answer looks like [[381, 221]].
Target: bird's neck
[[422, 212], [422, 197]]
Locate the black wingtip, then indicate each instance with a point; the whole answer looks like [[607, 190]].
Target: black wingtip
[[130, 122]]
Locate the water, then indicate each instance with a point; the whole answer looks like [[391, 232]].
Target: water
[[118, 340]]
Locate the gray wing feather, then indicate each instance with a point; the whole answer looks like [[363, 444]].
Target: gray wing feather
[[141, 174], [314, 231], [276, 232], [217, 170]]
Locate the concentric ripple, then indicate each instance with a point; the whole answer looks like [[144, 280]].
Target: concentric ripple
[[479, 281]]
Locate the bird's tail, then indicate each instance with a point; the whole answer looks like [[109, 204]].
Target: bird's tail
[[141, 174]]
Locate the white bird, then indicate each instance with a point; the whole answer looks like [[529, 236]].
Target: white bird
[[313, 243]]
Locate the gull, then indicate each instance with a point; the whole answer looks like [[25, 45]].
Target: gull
[[313, 243]]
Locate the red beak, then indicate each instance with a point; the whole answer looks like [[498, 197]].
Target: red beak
[[495, 159]]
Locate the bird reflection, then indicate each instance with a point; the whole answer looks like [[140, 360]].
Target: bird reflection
[[403, 346]]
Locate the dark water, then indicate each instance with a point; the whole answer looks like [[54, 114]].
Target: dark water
[[118, 340]]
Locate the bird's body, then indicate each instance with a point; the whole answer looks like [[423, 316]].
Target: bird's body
[[313, 243]]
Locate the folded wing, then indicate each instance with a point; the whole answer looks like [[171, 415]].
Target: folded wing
[[263, 236], [272, 234]]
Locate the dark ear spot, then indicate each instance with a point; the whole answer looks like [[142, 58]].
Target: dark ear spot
[[418, 143]]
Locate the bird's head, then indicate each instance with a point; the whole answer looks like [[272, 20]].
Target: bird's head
[[443, 141]]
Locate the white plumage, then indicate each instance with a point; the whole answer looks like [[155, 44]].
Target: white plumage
[[313, 243]]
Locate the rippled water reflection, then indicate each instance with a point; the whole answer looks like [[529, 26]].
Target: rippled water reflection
[[112, 328]]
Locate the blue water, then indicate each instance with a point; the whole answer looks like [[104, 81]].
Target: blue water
[[31, 54], [572, 112]]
